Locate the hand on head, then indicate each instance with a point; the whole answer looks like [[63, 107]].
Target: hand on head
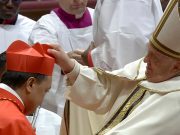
[[62, 59]]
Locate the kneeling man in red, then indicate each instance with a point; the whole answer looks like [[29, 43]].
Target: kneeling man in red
[[23, 86]]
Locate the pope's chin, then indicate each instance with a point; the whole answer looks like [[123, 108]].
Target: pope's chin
[[149, 76], [153, 78]]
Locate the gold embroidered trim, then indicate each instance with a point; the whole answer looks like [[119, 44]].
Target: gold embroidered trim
[[156, 90], [13, 102], [165, 17], [101, 72], [124, 110], [67, 116], [139, 66], [157, 45]]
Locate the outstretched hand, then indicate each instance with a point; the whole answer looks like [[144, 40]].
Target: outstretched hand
[[84, 55], [61, 58]]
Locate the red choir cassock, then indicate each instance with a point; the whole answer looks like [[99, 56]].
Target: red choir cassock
[[21, 58], [12, 119]]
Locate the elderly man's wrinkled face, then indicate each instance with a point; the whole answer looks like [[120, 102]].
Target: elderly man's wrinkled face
[[159, 66], [9, 8], [74, 7]]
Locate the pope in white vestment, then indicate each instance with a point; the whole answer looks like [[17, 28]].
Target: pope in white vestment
[[72, 32], [143, 98], [120, 35], [153, 108]]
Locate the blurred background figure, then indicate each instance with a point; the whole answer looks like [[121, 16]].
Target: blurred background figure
[[13, 26], [34, 9], [118, 38]]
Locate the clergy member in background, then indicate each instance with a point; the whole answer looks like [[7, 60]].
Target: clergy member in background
[[143, 98], [70, 26], [23, 86], [13, 26]]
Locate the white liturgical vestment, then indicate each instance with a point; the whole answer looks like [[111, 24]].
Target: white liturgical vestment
[[121, 31], [157, 112]]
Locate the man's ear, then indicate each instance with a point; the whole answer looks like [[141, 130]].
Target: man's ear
[[30, 84]]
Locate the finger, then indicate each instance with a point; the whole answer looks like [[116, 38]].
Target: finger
[[78, 57], [56, 47], [53, 52], [79, 51]]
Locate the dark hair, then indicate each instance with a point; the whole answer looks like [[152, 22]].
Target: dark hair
[[2, 62], [17, 79]]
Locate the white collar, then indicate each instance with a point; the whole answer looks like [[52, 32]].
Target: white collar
[[7, 88], [170, 85]]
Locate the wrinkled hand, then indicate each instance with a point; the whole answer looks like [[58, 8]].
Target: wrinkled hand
[[84, 55], [61, 58], [76, 55]]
